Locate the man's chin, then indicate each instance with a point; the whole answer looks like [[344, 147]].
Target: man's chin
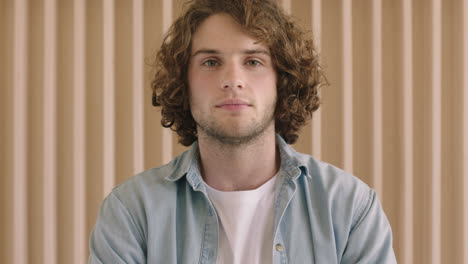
[[234, 137], [230, 133]]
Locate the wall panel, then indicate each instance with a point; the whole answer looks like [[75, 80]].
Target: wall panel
[[362, 95], [49, 153], [463, 16], [452, 111], [332, 98], [94, 111], [406, 219], [79, 213], [422, 140], [392, 112], [67, 179], [124, 96], [76, 116], [6, 131], [137, 81], [109, 94], [167, 139], [316, 124], [301, 12], [152, 39], [19, 134]]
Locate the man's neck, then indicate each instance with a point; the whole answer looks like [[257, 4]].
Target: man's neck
[[228, 167]]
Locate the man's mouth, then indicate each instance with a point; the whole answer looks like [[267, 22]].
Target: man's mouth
[[233, 104]]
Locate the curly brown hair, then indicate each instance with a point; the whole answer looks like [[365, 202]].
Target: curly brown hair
[[293, 54]]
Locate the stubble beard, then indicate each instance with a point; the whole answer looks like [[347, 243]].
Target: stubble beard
[[221, 134]]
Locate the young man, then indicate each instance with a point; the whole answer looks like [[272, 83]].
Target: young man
[[236, 79]]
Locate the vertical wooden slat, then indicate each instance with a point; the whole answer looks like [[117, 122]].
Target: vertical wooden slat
[[286, 4], [408, 172], [465, 130], [109, 95], [436, 157], [347, 66], [50, 133], [377, 112], [20, 96], [79, 132], [166, 15], [138, 87], [6, 131], [317, 118], [166, 140]]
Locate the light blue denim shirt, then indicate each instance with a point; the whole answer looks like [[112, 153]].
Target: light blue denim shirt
[[322, 215]]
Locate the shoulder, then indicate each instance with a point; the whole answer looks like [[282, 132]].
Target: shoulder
[[330, 177], [152, 190], [321, 177], [336, 189], [127, 209], [353, 211], [151, 180], [344, 194], [327, 176]]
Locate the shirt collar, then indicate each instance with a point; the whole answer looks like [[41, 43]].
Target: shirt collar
[[187, 164], [291, 163]]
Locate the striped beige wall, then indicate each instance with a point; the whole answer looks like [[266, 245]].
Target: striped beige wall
[[76, 115]]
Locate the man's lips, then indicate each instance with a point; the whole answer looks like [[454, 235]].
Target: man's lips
[[233, 103]]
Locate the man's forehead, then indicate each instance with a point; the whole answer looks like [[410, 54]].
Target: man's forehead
[[221, 33], [214, 51]]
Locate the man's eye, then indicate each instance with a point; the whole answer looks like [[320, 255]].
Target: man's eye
[[254, 63], [210, 63]]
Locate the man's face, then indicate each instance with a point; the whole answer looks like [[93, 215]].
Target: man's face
[[232, 82]]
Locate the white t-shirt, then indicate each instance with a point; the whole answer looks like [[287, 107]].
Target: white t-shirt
[[245, 224]]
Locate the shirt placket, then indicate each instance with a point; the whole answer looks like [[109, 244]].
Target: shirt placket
[[211, 235], [284, 197]]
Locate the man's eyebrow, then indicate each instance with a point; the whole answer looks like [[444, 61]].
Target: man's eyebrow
[[205, 51], [246, 51], [256, 51]]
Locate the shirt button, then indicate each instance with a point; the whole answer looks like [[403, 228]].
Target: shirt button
[[279, 247]]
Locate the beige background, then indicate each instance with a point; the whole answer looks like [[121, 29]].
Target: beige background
[[76, 118]]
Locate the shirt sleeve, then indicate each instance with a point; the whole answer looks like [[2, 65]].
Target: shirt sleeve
[[370, 239], [115, 237]]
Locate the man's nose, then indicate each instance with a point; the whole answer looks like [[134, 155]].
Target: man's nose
[[232, 77]]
